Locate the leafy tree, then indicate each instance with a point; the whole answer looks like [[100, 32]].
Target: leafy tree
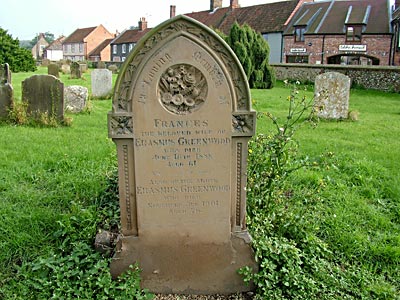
[[252, 51], [19, 59]]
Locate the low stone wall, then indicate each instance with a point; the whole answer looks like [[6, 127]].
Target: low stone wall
[[372, 77]]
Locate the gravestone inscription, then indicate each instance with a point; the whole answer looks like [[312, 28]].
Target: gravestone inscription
[[331, 96], [6, 91], [101, 82], [181, 120], [44, 94]]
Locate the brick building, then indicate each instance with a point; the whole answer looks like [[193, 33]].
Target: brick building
[[395, 51], [78, 45], [340, 32]]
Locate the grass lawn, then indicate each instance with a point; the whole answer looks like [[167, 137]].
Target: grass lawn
[[52, 185]]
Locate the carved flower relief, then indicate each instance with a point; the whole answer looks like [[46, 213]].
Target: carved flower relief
[[121, 125], [242, 123], [182, 89]]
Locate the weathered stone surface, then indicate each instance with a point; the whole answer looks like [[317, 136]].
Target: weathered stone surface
[[44, 95], [101, 65], [181, 121], [53, 69], [332, 92], [65, 69], [75, 98], [6, 91], [101, 82], [75, 70]]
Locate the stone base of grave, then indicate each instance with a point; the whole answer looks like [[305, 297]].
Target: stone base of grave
[[181, 266]]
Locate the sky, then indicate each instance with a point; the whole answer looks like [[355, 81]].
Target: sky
[[24, 19]]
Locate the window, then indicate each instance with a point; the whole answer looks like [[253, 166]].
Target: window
[[290, 59], [299, 34], [123, 58], [123, 48], [65, 48], [114, 49], [353, 33], [72, 48], [130, 47], [80, 48]]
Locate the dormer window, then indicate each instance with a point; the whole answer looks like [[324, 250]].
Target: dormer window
[[299, 33], [353, 33]]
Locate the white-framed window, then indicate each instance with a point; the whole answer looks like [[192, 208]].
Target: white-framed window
[[130, 47], [81, 48], [123, 48], [114, 49], [123, 58], [72, 48]]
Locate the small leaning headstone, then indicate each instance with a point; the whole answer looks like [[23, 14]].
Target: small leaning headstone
[[101, 82], [6, 91], [53, 69], [66, 69], [75, 98], [75, 70], [44, 95], [331, 95]]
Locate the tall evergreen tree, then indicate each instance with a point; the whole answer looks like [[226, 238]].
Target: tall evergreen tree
[[19, 59], [252, 51]]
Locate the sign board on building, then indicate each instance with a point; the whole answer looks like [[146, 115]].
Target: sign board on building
[[298, 50], [360, 48]]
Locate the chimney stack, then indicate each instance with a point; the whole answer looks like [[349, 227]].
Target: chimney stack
[[214, 4], [142, 24], [234, 4], [172, 11]]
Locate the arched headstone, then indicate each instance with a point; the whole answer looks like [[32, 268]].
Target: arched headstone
[[181, 120]]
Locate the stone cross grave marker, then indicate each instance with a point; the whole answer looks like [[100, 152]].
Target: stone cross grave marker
[[75, 70], [181, 120], [331, 96], [53, 69], [6, 91], [101, 82], [44, 95]]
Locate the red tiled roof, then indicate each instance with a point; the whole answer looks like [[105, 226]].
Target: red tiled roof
[[130, 36], [78, 35], [263, 18], [56, 44], [97, 51]]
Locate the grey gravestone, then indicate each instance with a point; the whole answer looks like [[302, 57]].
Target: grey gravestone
[[331, 95], [6, 91], [75, 70], [181, 121], [45, 62], [75, 98], [53, 69], [44, 94], [101, 82], [83, 67], [65, 69]]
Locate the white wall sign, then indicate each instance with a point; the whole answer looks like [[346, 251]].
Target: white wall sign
[[360, 48], [298, 50]]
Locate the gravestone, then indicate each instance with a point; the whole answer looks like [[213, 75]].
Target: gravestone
[[75, 98], [53, 69], [44, 94], [331, 96], [101, 82], [65, 69], [6, 91], [83, 67], [46, 62], [101, 65], [75, 70], [181, 120]]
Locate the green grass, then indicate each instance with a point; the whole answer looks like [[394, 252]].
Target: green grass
[[53, 179]]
